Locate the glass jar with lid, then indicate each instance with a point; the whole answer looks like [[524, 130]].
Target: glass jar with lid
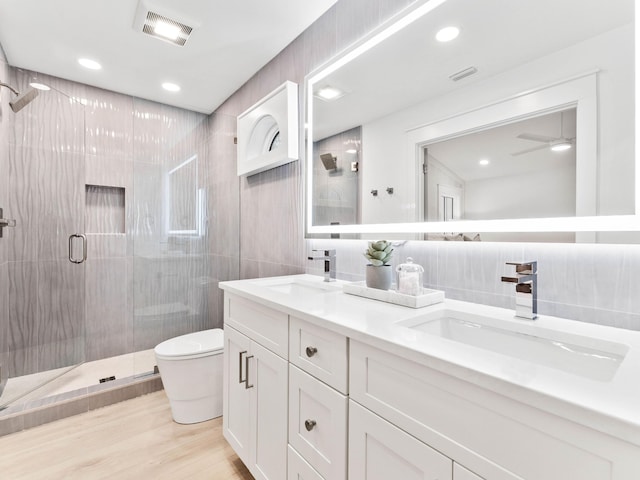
[[409, 278]]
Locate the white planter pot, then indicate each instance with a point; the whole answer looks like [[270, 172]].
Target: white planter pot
[[379, 277]]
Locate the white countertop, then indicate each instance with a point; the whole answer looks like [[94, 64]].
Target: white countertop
[[611, 406]]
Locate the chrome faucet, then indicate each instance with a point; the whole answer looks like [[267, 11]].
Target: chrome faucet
[[526, 281], [329, 257]]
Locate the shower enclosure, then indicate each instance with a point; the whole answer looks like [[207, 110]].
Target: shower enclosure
[[108, 254]]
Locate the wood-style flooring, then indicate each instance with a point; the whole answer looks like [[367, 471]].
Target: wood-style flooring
[[136, 439]]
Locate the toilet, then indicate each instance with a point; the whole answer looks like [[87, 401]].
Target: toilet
[[191, 371]]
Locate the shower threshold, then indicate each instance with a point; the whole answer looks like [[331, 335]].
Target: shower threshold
[[39, 398]]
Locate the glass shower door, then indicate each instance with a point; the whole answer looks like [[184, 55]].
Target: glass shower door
[[45, 273]]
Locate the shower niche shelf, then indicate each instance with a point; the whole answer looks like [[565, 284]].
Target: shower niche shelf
[[104, 210], [268, 131]]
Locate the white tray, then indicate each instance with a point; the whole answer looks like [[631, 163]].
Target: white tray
[[428, 296]]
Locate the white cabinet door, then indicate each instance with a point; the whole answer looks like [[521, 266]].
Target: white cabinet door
[[318, 424], [299, 468], [255, 405], [461, 473], [379, 450], [269, 376], [236, 420]]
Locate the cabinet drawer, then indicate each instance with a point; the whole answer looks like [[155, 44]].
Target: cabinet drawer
[[379, 450], [320, 352], [264, 325], [461, 473], [318, 424], [299, 469], [470, 424]]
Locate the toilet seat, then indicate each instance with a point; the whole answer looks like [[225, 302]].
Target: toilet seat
[[191, 345]]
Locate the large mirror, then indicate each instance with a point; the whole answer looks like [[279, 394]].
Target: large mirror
[[520, 128]]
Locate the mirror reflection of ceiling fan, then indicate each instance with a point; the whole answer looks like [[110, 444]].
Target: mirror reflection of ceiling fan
[[556, 144]]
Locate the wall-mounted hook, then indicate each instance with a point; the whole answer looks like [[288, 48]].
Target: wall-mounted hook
[[374, 193], [390, 190]]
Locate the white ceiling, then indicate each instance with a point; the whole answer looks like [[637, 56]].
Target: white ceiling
[[496, 36], [230, 42]]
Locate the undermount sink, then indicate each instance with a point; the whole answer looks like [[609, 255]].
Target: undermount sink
[[579, 355], [301, 286]]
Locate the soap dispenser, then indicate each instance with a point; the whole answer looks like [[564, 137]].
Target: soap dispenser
[[409, 278]]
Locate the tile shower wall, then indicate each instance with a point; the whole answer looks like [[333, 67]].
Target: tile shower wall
[[335, 192], [6, 119], [592, 283], [139, 284]]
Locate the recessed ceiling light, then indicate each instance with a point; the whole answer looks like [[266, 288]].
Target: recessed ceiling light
[[329, 93], [40, 86], [171, 87], [447, 34], [90, 64], [484, 162], [351, 150], [561, 146]]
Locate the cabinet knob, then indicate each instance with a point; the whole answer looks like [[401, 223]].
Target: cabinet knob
[[311, 351], [309, 424]]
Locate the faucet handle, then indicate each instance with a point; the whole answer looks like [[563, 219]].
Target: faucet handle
[[525, 268], [326, 253]]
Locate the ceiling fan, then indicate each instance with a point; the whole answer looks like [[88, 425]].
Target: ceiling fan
[[557, 144]]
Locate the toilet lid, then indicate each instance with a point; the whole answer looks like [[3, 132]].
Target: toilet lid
[[197, 343]]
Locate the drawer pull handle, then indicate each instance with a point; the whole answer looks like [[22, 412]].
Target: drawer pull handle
[[309, 424], [311, 351]]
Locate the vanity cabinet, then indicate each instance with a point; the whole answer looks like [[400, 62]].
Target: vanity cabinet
[[255, 387], [305, 399], [492, 436]]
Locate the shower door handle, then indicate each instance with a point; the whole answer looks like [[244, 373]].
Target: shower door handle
[[5, 222], [84, 248]]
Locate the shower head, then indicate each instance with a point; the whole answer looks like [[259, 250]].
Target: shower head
[[22, 99], [329, 161]]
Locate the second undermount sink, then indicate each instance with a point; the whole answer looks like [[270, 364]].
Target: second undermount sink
[[579, 355], [299, 286]]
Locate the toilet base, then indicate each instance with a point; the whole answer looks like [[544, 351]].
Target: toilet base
[[196, 411]]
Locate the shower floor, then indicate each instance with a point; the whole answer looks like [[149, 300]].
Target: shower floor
[[65, 380]]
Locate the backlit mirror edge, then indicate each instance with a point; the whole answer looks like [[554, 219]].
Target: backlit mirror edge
[[609, 223]]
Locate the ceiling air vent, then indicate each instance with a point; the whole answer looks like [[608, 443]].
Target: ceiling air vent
[[166, 29], [463, 73]]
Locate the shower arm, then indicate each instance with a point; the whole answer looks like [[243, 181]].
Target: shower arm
[[10, 88]]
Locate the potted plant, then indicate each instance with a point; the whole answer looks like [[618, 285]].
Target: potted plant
[[378, 272]]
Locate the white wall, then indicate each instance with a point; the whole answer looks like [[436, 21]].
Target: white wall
[[384, 140], [503, 197]]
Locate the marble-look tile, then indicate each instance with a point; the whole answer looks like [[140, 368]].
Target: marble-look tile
[[106, 315], [109, 171], [4, 325], [319, 40], [354, 20], [108, 124], [60, 314], [54, 121], [60, 202], [23, 202], [22, 308], [271, 231]]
